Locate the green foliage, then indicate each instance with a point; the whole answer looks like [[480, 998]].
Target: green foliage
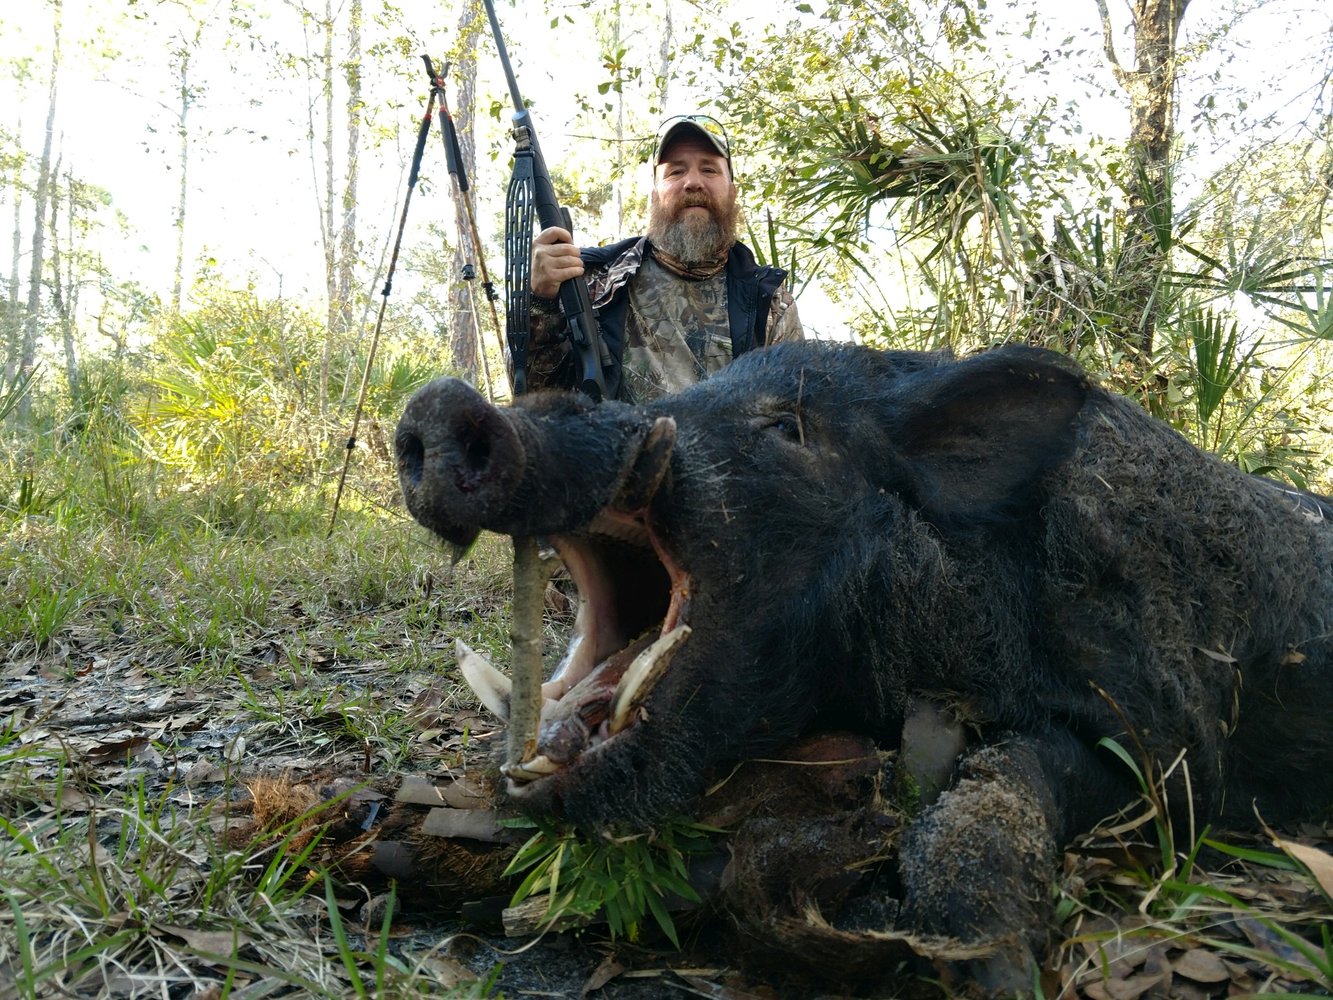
[[1218, 364], [912, 165], [624, 878], [289, 637], [235, 388], [1310, 312], [944, 169], [234, 391], [98, 893], [1180, 901], [394, 379], [14, 393]]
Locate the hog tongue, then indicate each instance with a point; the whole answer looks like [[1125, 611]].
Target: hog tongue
[[588, 703], [569, 725]]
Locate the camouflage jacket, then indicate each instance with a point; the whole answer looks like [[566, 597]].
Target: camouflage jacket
[[750, 307]]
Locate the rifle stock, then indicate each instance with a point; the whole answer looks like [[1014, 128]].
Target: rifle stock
[[575, 302]]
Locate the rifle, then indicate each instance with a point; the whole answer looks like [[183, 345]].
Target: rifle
[[531, 191]]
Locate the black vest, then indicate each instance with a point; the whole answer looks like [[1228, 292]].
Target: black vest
[[750, 289]]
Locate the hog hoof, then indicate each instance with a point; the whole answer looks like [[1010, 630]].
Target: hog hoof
[[978, 868]]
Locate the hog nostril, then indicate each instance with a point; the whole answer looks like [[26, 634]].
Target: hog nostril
[[411, 458], [474, 447]]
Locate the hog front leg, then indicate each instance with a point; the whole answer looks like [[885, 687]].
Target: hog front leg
[[980, 865]]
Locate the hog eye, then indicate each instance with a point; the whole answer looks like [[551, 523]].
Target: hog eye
[[788, 425]]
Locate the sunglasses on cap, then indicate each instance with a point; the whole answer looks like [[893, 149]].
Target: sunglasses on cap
[[710, 128]]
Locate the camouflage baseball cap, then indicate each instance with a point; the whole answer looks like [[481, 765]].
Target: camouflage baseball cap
[[709, 128]]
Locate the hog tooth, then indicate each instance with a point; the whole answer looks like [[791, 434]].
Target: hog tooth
[[530, 770], [595, 634], [572, 668], [642, 674], [491, 686], [621, 527]]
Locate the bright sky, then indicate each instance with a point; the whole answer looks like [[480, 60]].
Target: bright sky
[[252, 201]]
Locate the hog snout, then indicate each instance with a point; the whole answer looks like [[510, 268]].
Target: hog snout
[[459, 459]]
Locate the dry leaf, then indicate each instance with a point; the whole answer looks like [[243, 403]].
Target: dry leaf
[[73, 800], [1265, 939], [1319, 862], [449, 972], [210, 942], [603, 974], [419, 791], [117, 749], [1201, 966], [203, 770], [235, 750], [474, 824], [1118, 957], [1124, 989], [464, 793]]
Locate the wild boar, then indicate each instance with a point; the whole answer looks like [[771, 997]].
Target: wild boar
[[830, 537]]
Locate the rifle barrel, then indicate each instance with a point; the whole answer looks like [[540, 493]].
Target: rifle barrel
[[504, 57], [535, 192]]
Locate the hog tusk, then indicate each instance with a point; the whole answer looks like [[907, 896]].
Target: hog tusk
[[642, 674], [492, 687], [650, 466], [489, 685], [530, 770]]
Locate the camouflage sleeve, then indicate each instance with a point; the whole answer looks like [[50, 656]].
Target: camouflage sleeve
[[783, 321], [548, 349]]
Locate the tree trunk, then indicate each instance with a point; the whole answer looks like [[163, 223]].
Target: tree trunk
[[620, 133], [330, 236], [28, 351], [183, 159], [13, 315], [664, 56], [462, 331], [64, 303], [347, 256], [1150, 85]]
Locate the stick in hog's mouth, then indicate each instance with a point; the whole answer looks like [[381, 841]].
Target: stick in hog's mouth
[[531, 572]]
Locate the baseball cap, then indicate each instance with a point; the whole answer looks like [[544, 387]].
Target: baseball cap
[[709, 128]]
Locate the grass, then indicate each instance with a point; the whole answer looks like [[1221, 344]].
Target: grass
[[1140, 907], [215, 630], [134, 897], [627, 879], [162, 642]]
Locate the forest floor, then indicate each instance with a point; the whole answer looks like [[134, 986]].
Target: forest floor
[[153, 675]]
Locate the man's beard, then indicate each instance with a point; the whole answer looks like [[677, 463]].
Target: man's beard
[[691, 237]]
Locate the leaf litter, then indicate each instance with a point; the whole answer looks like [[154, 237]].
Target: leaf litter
[[105, 728]]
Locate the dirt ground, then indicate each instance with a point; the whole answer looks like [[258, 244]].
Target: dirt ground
[[96, 732]]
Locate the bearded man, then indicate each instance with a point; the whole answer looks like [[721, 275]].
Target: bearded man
[[677, 304]]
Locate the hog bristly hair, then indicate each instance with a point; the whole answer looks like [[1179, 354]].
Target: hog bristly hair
[[844, 531]]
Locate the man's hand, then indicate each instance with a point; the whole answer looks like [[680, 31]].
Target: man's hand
[[555, 259]]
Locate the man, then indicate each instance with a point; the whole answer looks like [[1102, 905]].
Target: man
[[677, 304]]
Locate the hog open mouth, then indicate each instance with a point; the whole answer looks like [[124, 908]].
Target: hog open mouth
[[631, 622]]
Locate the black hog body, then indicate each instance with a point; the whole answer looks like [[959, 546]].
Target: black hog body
[[849, 533]]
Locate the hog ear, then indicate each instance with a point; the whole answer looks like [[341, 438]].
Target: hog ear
[[978, 435]]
